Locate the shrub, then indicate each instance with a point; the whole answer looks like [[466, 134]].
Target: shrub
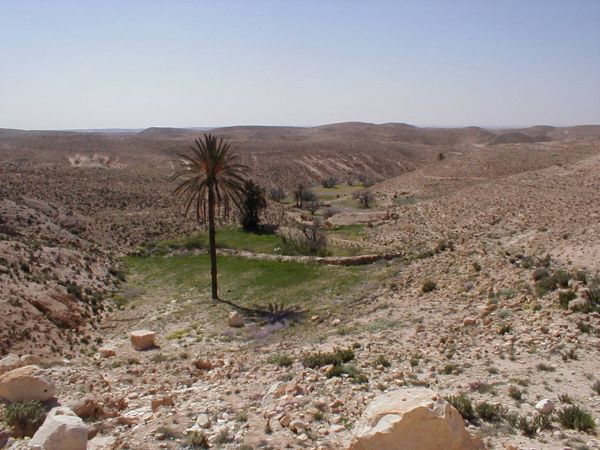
[[305, 240], [277, 194], [329, 182], [330, 212], [253, 203], [428, 286], [565, 297], [463, 405], [540, 274], [364, 197], [281, 360], [26, 416], [350, 371], [515, 393], [489, 412], [528, 428], [197, 440], [542, 367], [324, 359], [576, 418]]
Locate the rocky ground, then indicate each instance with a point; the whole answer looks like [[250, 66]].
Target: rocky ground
[[492, 302]]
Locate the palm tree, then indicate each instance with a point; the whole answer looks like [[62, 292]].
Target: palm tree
[[211, 179]]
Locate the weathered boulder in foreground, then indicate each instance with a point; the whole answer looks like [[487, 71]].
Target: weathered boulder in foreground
[[26, 383], [142, 339], [415, 419], [62, 430]]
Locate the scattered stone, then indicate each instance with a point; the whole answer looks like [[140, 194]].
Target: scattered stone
[[106, 351], [166, 400], [62, 430], [203, 364], [414, 418], [26, 383], [545, 406], [142, 339], [203, 421], [235, 320]]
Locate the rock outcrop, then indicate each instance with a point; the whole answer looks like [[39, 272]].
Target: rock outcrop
[[415, 418]]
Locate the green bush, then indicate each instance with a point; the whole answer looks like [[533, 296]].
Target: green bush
[[576, 418], [489, 412], [351, 371], [463, 405], [336, 358], [27, 416], [565, 297], [281, 360]]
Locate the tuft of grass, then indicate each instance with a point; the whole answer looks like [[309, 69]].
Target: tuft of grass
[[576, 418], [463, 405], [428, 286], [596, 387], [281, 360], [543, 367], [449, 369], [197, 440], [584, 327], [515, 393], [336, 358], [381, 361]]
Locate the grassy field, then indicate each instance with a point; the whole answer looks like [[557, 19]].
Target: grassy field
[[247, 281]]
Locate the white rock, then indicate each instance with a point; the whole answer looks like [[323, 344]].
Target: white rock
[[545, 406], [203, 421], [142, 339], [10, 362], [26, 383], [412, 418], [235, 320], [62, 430]]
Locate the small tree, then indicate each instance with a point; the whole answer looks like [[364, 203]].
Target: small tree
[[329, 183], [441, 156], [312, 207], [253, 204], [277, 194], [298, 195], [364, 197]]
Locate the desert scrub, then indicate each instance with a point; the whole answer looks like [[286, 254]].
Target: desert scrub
[[428, 286], [26, 416], [515, 393], [336, 358], [565, 297], [349, 371], [490, 412], [281, 360], [463, 405], [576, 418], [596, 387], [381, 361], [542, 367]]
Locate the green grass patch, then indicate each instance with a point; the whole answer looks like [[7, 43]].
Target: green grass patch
[[249, 281]]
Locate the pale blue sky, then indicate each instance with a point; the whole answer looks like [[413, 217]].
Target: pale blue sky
[[98, 64]]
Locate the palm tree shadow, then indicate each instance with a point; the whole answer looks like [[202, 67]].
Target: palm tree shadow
[[271, 314]]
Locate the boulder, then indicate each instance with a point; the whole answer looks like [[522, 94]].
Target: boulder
[[235, 320], [10, 362], [62, 430], [142, 339], [26, 383], [415, 418], [545, 406]]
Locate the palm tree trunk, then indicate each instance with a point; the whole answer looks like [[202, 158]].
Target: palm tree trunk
[[212, 244]]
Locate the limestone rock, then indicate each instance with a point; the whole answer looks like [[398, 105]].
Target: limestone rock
[[26, 383], [545, 406], [10, 362], [142, 339], [203, 421], [62, 430], [235, 320], [414, 418]]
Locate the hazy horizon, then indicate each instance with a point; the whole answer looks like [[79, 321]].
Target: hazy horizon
[[101, 65]]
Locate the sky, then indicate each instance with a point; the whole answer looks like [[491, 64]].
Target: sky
[[135, 64]]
